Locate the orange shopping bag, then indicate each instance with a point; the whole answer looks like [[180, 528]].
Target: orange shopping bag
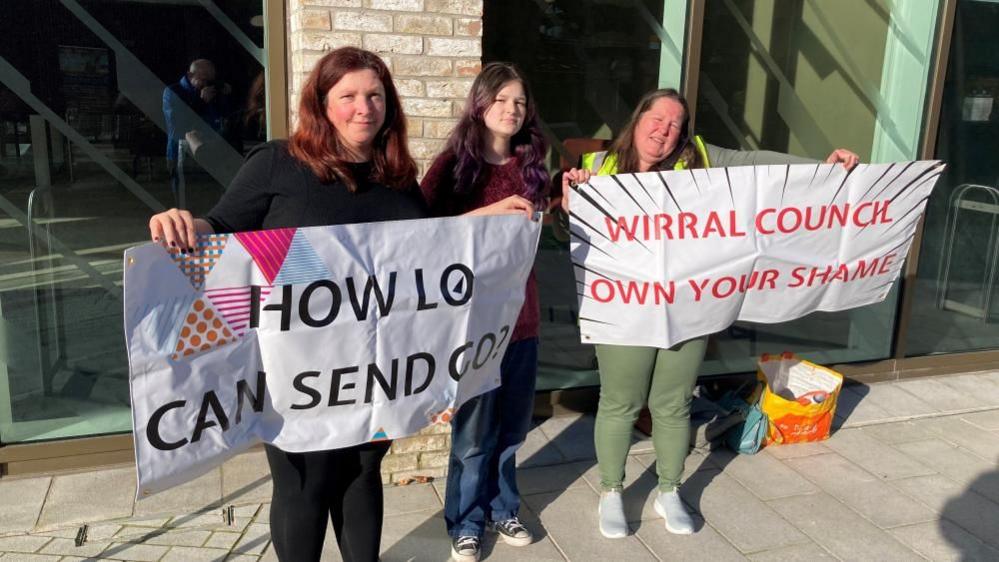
[[799, 398]]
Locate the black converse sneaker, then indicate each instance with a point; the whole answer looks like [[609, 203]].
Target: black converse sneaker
[[513, 532], [465, 549]]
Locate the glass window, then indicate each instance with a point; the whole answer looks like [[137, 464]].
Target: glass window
[[955, 307], [109, 111], [805, 77]]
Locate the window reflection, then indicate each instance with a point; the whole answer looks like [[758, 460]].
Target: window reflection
[[84, 160], [956, 305]]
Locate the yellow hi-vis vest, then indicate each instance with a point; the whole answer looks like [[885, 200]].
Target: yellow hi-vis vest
[[605, 164]]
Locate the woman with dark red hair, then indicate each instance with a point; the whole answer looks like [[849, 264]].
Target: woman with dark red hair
[[347, 162]]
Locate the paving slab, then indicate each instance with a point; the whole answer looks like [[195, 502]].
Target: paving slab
[[838, 529], [961, 466], [797, 449], [263, 514], [746, 521], [202, 493], [988, 419], [537, 451], [939, 395], [212, 521], [22, 499], [557, 478], [899, 432], [221, 539], [763, 475], [694, 461], [953, 429], [246, 478], [954, 502], [89, 497], [136, 552], [571, 521], [897, 402], [414, 536], [874, 456], [34, 558], [164, 537], [22, 543], [862, 491], [795, 553], [410, 498], [854, 408], [542, 549], [705, 544], [571, 435], [248, 510], [189, 554], [254, 540], [943, 540], [67, 547], [975, 384]]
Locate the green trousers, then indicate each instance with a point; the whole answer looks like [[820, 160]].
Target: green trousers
[[630, 377]]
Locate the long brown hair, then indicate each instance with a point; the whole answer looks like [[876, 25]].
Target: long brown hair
[[527, 144], [624, 144], [315, 142]]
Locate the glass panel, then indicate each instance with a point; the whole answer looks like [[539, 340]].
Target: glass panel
[[955, 306], [805, 77], [84, 160], [588, 62]]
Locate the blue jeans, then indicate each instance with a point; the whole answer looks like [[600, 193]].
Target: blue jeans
[[486, 433]]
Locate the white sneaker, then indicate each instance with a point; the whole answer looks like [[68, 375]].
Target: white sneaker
[[465, 549], [613, 524], [513, 532], [670, 507]]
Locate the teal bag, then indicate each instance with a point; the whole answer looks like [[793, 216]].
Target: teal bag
[[746, 437]]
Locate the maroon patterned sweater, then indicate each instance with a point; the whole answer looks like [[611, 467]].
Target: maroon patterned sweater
[[500, 182]]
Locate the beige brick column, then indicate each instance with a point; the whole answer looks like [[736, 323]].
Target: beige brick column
[[434, 50], [432, 47]]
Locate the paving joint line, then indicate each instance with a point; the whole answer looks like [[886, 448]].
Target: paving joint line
[[913, 417]]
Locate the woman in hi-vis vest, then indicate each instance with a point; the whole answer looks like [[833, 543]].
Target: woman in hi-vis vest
[[658, 137]]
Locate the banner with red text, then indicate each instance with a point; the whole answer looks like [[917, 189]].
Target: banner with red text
[[663, 257], [315, 338]]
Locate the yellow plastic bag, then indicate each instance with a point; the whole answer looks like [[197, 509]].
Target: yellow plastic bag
[[799, 398]]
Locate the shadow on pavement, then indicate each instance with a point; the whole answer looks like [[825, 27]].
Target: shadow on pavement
[[973, 517]]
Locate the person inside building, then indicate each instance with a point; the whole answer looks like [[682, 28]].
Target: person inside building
[[657, 137], [197, 102], [495, 156]]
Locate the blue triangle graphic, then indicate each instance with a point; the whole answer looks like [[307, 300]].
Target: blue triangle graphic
[[165, 320], [380, 435], [301, 264]]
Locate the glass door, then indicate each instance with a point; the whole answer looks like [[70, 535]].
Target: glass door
[[956, 305]]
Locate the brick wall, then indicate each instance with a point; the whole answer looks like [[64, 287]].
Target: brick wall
[[434, 49]]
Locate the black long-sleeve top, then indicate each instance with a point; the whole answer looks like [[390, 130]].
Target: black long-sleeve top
[[274, 190]]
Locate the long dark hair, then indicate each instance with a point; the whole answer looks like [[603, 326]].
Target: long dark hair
[[624, 144], [315, 141], [468, 137]]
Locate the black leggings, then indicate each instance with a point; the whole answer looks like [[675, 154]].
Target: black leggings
[[344, 483]]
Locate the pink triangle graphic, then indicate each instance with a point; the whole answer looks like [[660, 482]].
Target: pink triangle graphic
[[268, 248], [233, 303]]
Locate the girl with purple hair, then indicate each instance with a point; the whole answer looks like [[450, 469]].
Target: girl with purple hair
[[493, 163]]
